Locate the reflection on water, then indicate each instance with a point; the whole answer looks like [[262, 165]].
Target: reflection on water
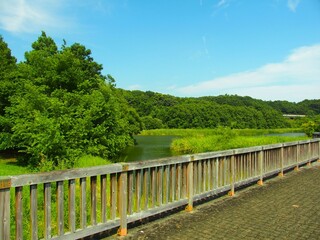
[[148, 147], [287, 134], [153, 147]]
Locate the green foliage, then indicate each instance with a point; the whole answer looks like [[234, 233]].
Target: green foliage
[[226, 138], [152, 123], [204, 112], [309, 128], [62, 108], [306, 107]]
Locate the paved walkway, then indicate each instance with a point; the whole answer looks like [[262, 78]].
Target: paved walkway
[[284, 208]]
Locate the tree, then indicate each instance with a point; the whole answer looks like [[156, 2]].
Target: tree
[[64, 107], [7, 88]]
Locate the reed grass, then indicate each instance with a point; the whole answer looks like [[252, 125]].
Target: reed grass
[[229, 140], [216, 131]]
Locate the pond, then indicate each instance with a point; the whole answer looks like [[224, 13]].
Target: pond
[[148, 147], [153, 147], [291, 134]]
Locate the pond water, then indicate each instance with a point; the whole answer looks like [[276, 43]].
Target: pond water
[[153, 147], [292, 134], [148, 147]]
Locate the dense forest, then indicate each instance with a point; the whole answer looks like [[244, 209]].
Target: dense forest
[[165, 111], [56, 106]]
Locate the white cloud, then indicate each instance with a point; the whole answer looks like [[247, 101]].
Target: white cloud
[[135, 87], [28, 16], [222, 3], [296, 78], [293, 4]]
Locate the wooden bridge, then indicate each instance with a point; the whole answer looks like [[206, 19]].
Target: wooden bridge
[[76, 203]]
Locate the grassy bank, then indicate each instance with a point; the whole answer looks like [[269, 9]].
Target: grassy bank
[[189, 145], [9, 165], [205, 140], [224, 139], [217, 131]]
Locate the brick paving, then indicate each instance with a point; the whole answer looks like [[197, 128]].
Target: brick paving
[[283, 208]]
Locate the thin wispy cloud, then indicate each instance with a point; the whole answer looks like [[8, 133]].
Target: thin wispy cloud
[[222, 3], [298, 77], [293, 4], [204, 41], [22, 16]]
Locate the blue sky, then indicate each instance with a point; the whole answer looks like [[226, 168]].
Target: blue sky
[[266, 49]]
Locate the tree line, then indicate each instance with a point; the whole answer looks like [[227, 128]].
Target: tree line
[[165, 111]]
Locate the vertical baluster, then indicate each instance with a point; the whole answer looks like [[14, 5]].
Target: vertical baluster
[[146, 188], [103, 194], [19, 210], [72, 205], [173, 182], [5, 211], [60, 208], [138, 190], [47, 210], [166, 184], [34, 211], [113, 196], [83, 203], [93, 185], [217, 173], [153, 187], [190, 190], [205, 176], [261, 166], [184, 180], [200, 177], [225, 171], [232, 174], [178, 181], [130, 192], [209, 174], [195, 177], [122, 202], [160, 185]]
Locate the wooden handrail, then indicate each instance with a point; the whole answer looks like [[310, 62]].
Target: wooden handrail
[[77, 203]]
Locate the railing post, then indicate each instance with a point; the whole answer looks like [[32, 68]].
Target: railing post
[[5, 209], [261, 156], [298, 157], [318, 150], [309, 154], [122, 201], [189, 207], [281, 161], [232, 175]]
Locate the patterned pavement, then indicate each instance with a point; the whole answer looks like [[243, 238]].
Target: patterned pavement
[[283, 208]]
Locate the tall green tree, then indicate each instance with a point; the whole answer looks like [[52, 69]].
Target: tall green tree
[[8, 74], [64, 107]]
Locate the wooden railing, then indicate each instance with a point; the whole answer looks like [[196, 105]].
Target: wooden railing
[[77, 203]]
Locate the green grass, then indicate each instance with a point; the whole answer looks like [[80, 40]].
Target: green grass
[[205, 140], [91, 161], [9, 166], [188, 145], [216, 131]]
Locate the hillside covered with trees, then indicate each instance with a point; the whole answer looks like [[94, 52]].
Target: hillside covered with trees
[[165, 111]]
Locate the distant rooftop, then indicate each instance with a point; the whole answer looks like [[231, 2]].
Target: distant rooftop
[[293, 115]]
